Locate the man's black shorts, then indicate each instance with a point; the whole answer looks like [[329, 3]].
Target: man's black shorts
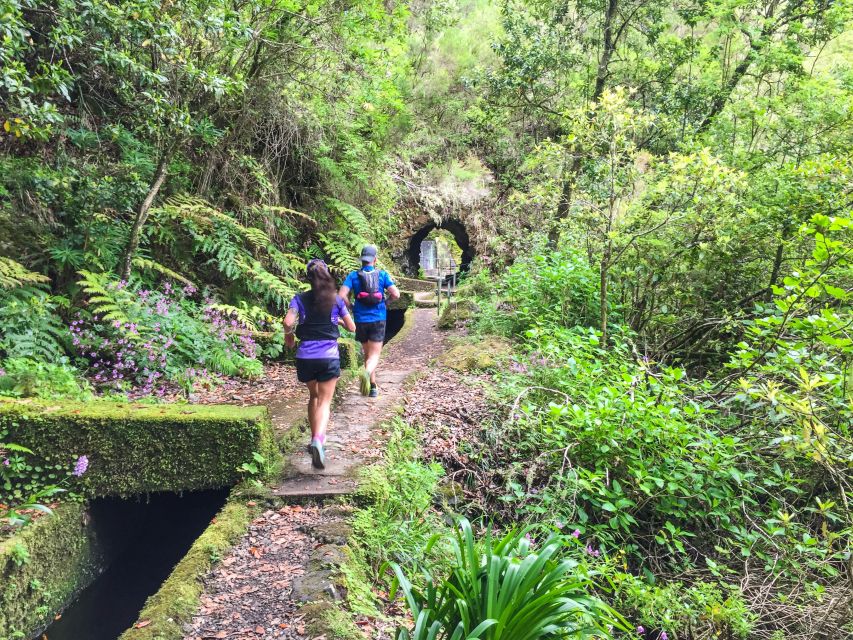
[[370, 331], [319, 369]]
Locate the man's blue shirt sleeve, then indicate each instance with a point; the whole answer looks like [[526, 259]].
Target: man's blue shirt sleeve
[[387, 281], [350, 280]]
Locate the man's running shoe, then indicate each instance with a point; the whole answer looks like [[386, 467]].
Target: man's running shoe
[[318, 455], [374, 392], [364, 382]]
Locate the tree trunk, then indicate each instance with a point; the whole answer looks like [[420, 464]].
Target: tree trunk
[[608, 47], [602, 293], [142, 213], [774, 274], [755, 47]]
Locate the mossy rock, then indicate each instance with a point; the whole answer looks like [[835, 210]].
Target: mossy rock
[[472, 356], [136, 448], [449, 495], [406, 300], [457, 313], [43, 567]]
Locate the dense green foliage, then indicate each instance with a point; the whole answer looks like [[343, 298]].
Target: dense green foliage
[[745, 472], [660, 194]]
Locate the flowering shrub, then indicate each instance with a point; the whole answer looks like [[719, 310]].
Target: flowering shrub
[[142, 339]]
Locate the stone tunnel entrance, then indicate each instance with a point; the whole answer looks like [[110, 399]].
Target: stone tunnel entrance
[[460, 235]]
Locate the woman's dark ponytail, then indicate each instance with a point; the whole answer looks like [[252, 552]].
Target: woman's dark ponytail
[[323, 287]]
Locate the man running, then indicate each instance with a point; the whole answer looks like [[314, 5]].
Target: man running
[[369, 287]]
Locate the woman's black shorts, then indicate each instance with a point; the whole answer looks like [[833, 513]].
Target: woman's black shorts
[[319, 369], [370, 331]]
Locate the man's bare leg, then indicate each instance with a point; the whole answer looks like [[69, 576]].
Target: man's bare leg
[[372, 351]]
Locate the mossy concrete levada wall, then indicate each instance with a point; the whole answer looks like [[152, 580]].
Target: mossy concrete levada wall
[[43, 567], [133, 449], [136, 448], [166, 612]]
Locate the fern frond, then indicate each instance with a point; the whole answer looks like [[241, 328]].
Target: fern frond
[[284, 211], [355, 220], [14, 274], [241, 314], [151, 265]]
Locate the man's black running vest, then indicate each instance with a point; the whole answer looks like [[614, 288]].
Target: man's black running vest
[[312, 325]]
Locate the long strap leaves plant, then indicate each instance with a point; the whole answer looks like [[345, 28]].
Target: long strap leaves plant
[[505, 589]]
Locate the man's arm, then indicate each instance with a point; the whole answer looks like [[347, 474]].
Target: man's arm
[[343, 292], [393, 292]]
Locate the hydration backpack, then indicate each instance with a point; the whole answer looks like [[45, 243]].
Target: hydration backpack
[[368, 285]]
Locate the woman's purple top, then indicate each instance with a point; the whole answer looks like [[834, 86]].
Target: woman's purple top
[[316, 349]]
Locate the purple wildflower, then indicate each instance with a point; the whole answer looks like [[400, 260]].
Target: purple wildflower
[[5, 462], [80, 466], [593, 552], [640, 629], [576, 533], [663, 636]]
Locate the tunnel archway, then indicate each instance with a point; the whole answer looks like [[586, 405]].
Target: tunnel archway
[[460, 234]]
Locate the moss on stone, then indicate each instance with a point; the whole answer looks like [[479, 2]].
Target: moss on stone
[[332, 622], [166, 612], [408, 325], [457, 313], [350, 352], [405, 301], [136, 448], [471, 356], [43, 567]]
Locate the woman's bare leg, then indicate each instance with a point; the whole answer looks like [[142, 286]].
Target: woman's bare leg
[[325, 391], [312, 406]]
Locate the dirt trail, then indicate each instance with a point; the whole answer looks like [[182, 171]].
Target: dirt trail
[[290, 554]]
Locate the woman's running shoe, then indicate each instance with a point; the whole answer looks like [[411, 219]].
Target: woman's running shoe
[[318, 455]]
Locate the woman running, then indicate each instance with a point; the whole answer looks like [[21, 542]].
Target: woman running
[[314, 317]]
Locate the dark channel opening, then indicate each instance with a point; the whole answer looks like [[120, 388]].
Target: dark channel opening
[[460, 234], [395, 321], [142, 542]]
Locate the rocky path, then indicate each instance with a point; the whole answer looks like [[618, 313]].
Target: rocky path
[[290, 553]]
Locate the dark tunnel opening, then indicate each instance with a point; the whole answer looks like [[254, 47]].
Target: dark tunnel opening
[[460, 234], [394, 322]]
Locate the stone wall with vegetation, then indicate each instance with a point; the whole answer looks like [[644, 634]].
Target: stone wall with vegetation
[[137, 448], [43, 567]]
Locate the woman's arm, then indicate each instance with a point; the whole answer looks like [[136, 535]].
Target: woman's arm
[[289, 327], [347, 322]]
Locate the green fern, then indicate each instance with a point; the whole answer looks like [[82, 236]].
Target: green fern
[[151, 265], [30, 326], [106, 302], [342, 249], [352, 218], [249, 315], [14, 274], [241, 253]]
